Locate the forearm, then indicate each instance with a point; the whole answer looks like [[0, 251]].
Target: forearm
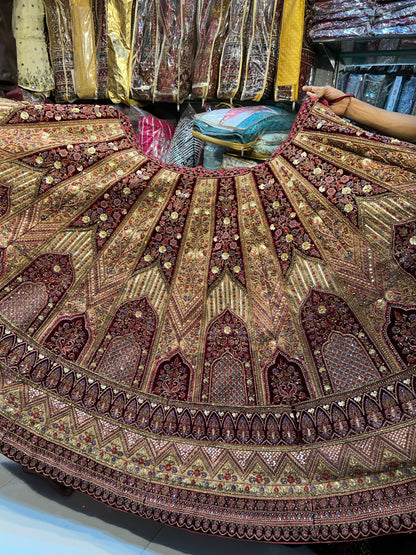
[[401, 126]]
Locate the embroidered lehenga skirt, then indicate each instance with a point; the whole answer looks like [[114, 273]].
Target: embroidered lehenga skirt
[[231, 352]]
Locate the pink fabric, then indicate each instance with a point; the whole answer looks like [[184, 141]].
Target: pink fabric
[[154, 136]]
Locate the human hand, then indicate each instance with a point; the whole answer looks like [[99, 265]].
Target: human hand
[[331, 95]]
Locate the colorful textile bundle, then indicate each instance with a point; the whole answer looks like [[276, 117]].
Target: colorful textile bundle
[[391, 91], [395, 18], [185, 149], [239, 128], [154, 136], [230, 352]]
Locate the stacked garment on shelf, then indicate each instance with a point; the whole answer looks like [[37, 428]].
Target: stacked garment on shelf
[[362, 18], [394, 18], [231, 352], [342, 19]]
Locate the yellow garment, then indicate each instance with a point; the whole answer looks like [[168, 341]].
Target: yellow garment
[[34, 68], [119, 21], [290, 50], [85, 63]]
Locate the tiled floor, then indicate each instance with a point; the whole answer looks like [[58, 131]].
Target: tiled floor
[[35, 519]]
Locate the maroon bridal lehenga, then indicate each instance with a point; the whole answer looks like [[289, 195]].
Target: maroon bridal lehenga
[[230, 352]]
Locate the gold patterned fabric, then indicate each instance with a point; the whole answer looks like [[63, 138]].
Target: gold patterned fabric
[[290, 47], [231, 352], [119, 15], [83, 36], [33, 65]]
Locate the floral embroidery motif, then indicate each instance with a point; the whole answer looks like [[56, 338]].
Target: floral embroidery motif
[[69, 337], [172, 378]]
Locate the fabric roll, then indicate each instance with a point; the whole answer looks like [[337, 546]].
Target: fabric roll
[[290, 47], [145, 50], [100, 23], [232, 56], [176, 53]]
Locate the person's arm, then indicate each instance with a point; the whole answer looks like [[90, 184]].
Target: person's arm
[[394, 124]]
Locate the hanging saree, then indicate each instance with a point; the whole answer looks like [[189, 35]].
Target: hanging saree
[[231, 352]]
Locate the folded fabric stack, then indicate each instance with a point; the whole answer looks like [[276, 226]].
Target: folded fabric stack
[[394, 18], [254, 132], [336, 18], [362, 18]]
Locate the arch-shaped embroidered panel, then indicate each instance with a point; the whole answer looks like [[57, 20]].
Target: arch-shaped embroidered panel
[[42, 285], [332, 329], [228, 382], [24, 303], [121, 359], [347, 362], [123, 352], [228, 361]]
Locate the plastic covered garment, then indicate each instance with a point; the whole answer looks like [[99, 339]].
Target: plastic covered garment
[[212, 24], [100, 23], [145, 50], [119, 33], [262, 53], [176, 52], [61, 50], [33, 66], [231, 63], [83, 39], [229, 352], [407, 100], [334, 18]]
